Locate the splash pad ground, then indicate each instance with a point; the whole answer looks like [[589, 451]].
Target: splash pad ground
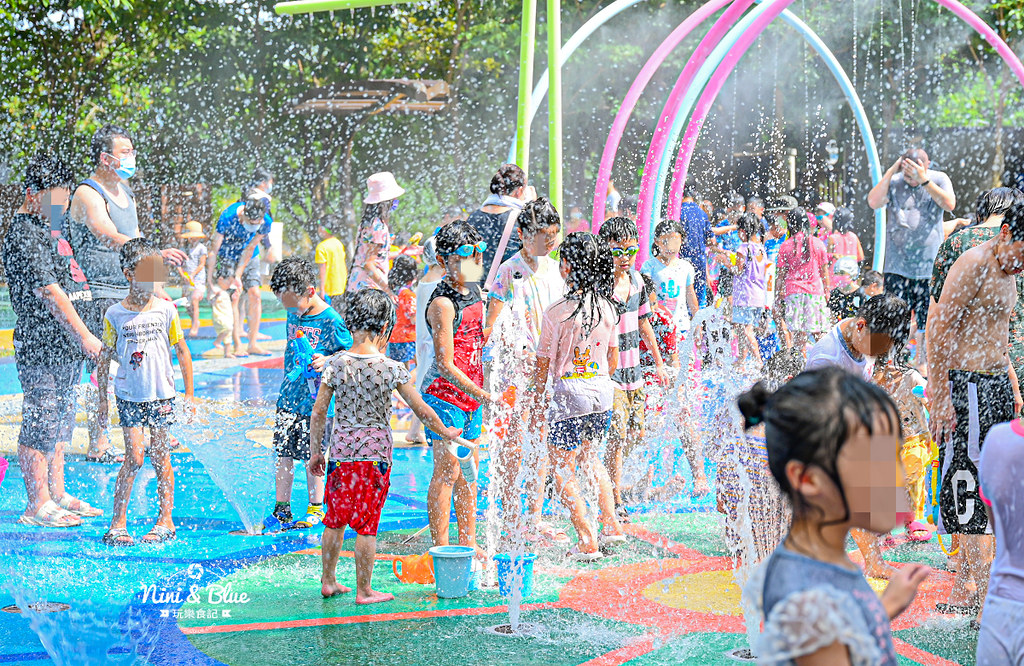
[[667, 596]]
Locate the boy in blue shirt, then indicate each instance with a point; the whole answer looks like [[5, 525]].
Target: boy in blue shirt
[[310, 317]]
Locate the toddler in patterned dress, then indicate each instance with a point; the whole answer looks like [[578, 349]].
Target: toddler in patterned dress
[[361, 380]]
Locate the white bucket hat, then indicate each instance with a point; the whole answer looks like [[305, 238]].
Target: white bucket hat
[[382, 187]]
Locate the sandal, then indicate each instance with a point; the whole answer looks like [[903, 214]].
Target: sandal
[[118, 537], [159, 534], [108, 457], [919, 531], [577, 555], [313, 518], [77, 507], [51, 515], [552, 534]]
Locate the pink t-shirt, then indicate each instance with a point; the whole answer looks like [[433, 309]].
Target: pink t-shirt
[[802, 276]]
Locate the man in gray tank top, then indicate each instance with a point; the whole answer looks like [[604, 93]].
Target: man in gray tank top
[[101, 219]]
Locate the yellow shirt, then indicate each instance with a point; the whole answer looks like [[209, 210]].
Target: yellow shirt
[[331, 252]]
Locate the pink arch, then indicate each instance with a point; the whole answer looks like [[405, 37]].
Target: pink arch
[[729, 63], [633, 95]]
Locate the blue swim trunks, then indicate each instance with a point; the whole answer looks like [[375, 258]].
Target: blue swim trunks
[[472, 423]]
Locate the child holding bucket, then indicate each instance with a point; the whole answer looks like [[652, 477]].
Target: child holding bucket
[[579, 347], [358, 477]]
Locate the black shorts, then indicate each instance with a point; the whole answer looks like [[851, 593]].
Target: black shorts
[[980, 402], [152, 414], [914, 292], [49, 404], [291, 435]]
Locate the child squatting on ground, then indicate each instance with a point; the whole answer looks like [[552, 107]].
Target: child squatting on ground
[[139, 332], [360, 382], [833, 445], [310, 320]]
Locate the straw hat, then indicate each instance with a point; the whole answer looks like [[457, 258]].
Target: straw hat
[[193, 229], [382, 187]]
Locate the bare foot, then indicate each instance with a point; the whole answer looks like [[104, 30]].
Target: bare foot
[[239, 352], [373, 597], [256, 350], [328, 590]]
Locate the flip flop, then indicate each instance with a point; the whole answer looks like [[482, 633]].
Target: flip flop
[[51, 515], [159, 534], [577, 555], [118, 537], [78, 507], [108, 457]]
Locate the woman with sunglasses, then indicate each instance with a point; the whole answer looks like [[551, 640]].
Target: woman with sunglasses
[[453, 384]]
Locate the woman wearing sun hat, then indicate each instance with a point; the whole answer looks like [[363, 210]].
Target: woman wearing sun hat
[[370, 264], [193, 271]]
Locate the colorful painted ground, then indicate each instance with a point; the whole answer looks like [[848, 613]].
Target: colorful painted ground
[[667, 596]]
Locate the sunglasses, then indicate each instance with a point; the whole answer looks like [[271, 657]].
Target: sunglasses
[[625, 251], [466, 251]]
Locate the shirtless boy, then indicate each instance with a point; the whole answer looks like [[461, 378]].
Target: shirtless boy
[[969, 345]]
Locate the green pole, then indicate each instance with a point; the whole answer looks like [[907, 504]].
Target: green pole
[[527, 41], [555, 104], [310, 6]]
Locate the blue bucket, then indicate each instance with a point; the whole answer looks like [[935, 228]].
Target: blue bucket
[[453, 568], [509, 567]]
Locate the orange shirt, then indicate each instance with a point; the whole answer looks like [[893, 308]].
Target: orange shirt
[[405, 327]]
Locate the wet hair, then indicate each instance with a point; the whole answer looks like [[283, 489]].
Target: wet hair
[[332, 222], [453, 236], [260, 175], [370, 310], [734, 200], [591, 276], [797, 222], [46, 171], [652, 289], [536, 215], [223, 270], [134, 251], [810, 418], [750, 225], [664, 228], [508, 179], [618, 230], [916, 154], [103, 140], [872, 278], [691, 192], [888, 314], [430, 252], [997, 201], [293, 274], [403, 271], [1015, 220], [255, 208], [842, 221], [755, 201]]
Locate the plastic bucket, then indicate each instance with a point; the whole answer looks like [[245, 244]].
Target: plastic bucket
[[453, 567], [509, 568], [414, 569]]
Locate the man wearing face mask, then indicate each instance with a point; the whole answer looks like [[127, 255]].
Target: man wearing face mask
[[50, 340], [103, 217], [241, 229]]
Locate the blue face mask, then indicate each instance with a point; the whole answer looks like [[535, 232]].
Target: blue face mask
[[126, 166]]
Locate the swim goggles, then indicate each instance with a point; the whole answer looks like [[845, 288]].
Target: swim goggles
[[466, 251], [625, 251]]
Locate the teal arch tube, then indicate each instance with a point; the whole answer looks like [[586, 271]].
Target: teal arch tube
[[860, 116], [578, 37]]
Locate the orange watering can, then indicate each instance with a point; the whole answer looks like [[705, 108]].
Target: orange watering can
[[415, 569]]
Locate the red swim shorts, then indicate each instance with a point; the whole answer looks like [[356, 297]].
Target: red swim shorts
[[355, 495]]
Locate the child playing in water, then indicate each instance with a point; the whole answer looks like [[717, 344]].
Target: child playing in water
[[309, 316], [833, 445], [673, 276], [223, 316], [402, 281], [750, 287], [579, 348], [628, 411], [139, 332], [195, 270], [453, 384], [360, 382], [846, 300]]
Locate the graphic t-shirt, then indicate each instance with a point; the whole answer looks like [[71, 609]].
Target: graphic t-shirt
[[362, 386], [195, 264], [579, 359], [331, 251], [803, 276], [750, 288], [236, 236], [405, 326], [517, 284], [377, 235], [142, 344], [327, 334], [913, 228], [33, 259], [636, 307], [843, 304], [832, 350], [671, 282]]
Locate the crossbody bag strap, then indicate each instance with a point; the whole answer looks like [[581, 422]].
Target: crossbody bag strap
[[510, 223]]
